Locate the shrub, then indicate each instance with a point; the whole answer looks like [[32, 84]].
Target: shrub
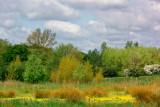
[[131, 72], [152, 69], [99, 77], [144, 94], [54, 76], [110, 72], [34, 71], [3, 72], [19, 71], [80, 73], [7, 94], [97, 91], [67, 66]]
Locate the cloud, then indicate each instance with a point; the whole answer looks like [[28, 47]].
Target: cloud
[[84, 23], [63, 26], [96, 4], [15, 35], [39, 9], [8, 20]]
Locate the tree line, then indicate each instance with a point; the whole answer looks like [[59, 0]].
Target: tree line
[[26, 61]]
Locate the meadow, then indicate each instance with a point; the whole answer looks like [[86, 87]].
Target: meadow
[[113, 92]]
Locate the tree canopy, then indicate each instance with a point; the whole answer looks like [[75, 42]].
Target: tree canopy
[[45, 39]]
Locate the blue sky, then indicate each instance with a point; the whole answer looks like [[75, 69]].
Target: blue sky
[[84, 23]]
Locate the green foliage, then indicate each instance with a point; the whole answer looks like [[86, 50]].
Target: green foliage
[[129, 58], [34, 71], [3, 72], [110, 72], [67, 66], [103, 47], [19, 71], [94, 57], [12, 52], [130, 44], [3, 45], [133, 72], [80, 73], [112, 60]]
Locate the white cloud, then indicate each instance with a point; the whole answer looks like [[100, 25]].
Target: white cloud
[[63, 26], [39, 9], [101, 4]]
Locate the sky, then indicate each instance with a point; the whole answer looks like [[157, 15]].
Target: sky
[[84, 23]]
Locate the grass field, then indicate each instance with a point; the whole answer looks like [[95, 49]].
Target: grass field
[[113, 92]]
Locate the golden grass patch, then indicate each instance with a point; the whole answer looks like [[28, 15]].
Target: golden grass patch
[[144, 94], [118, 88], [7, 94], [70, 94], [97, 91]]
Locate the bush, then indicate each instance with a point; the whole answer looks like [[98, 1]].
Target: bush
[[34, 71], [99, 77], [144, 94], [3, 72], [19, 71], [152, 69], [110, 72], [67, 66], [131, 72]]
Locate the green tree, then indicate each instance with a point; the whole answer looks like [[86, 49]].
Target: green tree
[[80, 73], [45, 39], [103, 47], [112, 61], [34, 71], [94, 58], [12, 52], [136, 44], [129, 44], [3, 46]]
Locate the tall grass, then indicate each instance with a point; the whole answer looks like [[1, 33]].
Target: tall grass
[[97, 91], [73, 95], [144, 94], [7, 94]]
